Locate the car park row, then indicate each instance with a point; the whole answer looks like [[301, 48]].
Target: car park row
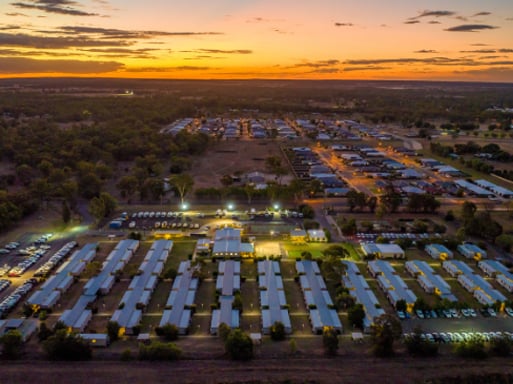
[[458, 337]]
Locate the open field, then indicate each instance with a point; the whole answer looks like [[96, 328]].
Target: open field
[[347, 368], [230, 157]]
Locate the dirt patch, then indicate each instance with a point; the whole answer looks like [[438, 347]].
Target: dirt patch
[[229, 157]]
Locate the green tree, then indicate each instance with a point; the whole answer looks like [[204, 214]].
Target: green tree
[[66, 213], [183, 184], [239, 345], [384, 331], [12, 345], [64, 346], [113, 329], [468, 210], [356, 315], [127, 186], [330, 340], [472, 349], [278, 331], [168, 331], [501, 346]]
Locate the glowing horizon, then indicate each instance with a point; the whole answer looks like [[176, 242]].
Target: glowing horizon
[[264, 39]]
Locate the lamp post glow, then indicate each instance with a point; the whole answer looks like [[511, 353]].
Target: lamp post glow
[[276, 206], [185, 206], [231, 206]]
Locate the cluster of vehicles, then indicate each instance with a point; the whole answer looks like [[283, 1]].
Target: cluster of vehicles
[[459, 337], [452, 313], [47, 267], [9, 247], [34, 254], [14, 298]]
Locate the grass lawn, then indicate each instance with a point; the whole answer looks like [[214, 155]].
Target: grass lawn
[[159, 297], [150, 322], [250, 297], [205, 295], [180, 252], [294, 297], [200, 324], [294, 250], [300, 324], [251, 322]]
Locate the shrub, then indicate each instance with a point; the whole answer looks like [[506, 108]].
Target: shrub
[[64, 346], [157, 350], [278, 331], [239, 345], [126, 355]]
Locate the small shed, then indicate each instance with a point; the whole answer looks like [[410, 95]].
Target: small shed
[[298, 235]]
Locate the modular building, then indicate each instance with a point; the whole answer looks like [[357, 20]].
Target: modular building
[[129, 314], [321, 312], [180, 302], [496, 189], [382, 251], [438, 252], [360, 290], [471, 251], [429, 280], [392, 285], [272, 296], [96, 340], [227, 244], [228, 283]]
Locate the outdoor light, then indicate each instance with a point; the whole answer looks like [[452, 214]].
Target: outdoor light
[[230, 207], [276, 206], [185, 206]]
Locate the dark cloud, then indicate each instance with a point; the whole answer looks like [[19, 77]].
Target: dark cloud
[[325, 70], [480, 51], [39, 52], [509, 19], [426, 51], [461, 18], [15, 14], [141, 53], [317, 64], [55, 42], [428, 13], [168, 69], [492, 73], [470, 28], [480, 45], [481, 14], [434, 22], [365, 68], [20, 65], [222, 51], [505, 50], [411, 22], [127, 34], [63, 7], [344, 25], [437, 61], [9, 27]]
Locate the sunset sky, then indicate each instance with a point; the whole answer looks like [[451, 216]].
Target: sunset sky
[[277, 39]]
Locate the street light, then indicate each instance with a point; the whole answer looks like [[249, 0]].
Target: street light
[[185, 206], [231, 206], [276, 206]]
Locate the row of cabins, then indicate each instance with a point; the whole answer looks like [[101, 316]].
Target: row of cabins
[[481, 289], [137, 297], [360, 290], [317, 299], [50, 292], [272, 296], [472, 188], [180, 302], [430, 281], [502, 274], [77, 318], [496, 189], [227, 284], [26, 327], [392, 285]]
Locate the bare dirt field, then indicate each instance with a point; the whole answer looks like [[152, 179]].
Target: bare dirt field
[[342, 369], [229, 157]]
